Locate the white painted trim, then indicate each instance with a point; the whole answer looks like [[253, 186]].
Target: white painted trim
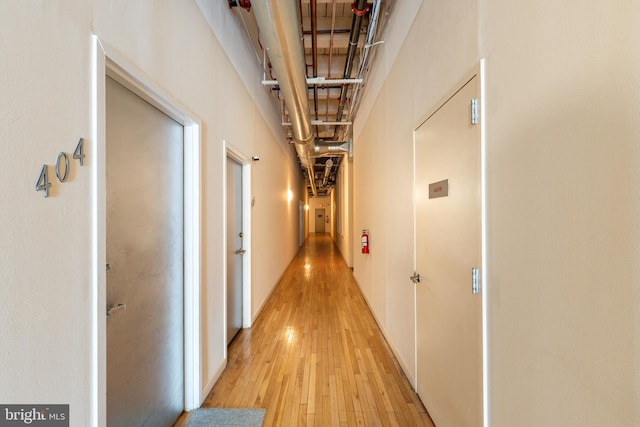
[[300, 223], [414, 378], [247, 321], [96, 161], [483, 195], [192, 266], [108, 61], [223, 250]]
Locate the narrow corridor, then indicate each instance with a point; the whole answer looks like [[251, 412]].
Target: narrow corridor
[[315, 355]]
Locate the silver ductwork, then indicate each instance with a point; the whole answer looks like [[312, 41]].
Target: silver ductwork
[[279, 23], [333, 148], [327, 172]]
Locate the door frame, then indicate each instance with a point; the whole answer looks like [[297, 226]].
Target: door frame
[[245, 162], [479, 71], [300, 223], [108, 61]]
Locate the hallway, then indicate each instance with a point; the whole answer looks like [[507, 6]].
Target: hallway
[[315, 355]]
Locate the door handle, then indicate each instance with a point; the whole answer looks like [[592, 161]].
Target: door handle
[[116, 308], [416, 278], [241, 251]]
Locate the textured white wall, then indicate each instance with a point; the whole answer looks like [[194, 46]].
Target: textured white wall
[[342, 202], [275, 218], [563, 160], [45, 244], [562, 207]]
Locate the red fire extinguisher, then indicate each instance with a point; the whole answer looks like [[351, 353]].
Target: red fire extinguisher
[[365, 241]]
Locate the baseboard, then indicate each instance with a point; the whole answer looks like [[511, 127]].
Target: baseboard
[[255, 315], [273, 288], [212, 382], [396, 354]]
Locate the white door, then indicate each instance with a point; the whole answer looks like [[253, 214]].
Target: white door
[[144, 244], [448, 252], [235, 249]]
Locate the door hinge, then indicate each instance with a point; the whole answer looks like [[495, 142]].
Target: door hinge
[[475, 281], [474, 111]]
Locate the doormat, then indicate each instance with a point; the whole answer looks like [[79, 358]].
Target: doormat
[[223, 417]]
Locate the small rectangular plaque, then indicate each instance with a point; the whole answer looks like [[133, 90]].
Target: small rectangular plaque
[[34, 415], [439, 189]]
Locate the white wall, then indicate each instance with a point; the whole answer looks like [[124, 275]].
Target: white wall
[[304, 197], [275, 219], [45, 269], [562, 182], [342, 202], [563, 160], [46, 244]]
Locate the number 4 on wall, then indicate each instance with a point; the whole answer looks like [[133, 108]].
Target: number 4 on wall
[[43, 181], [78, 153]]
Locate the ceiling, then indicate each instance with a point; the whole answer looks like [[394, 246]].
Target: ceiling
[[336, 74]]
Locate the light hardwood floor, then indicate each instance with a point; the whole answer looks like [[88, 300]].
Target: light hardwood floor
[[315, 355]]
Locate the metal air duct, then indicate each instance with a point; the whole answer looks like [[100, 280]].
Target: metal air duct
[[280, 29], [333, 148], [327, 172]]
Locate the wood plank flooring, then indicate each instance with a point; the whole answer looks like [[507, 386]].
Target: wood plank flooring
[[315, 355]]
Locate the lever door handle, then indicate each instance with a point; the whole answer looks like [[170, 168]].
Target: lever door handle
[[116, 308], [241, 251]]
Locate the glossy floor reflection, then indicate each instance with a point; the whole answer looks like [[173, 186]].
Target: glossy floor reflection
[[315, 355]]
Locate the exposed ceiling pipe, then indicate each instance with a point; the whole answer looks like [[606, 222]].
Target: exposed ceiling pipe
[[327, 172], [359, 8], [279, 24], [366, 57], [332, 31], [314, 56], [332, 148]]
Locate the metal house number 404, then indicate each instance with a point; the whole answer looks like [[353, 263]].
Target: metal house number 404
[[62, 168]]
